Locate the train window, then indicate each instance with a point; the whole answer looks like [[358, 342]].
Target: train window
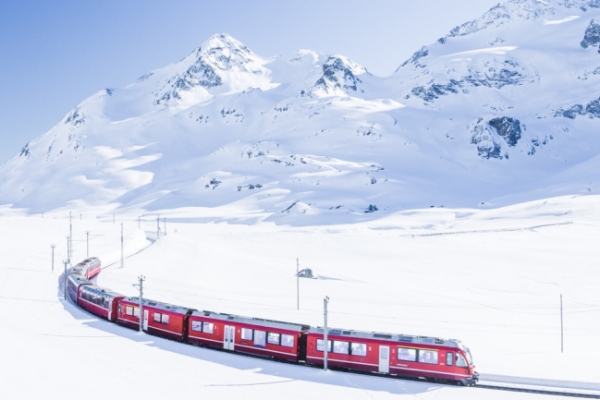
[[273, 338], [246, 334], [287, 340], [428, 356], [197, 326], [341, 347], [128, 310], [460, 361], [208, 327], [321, 346], [449, 358], [359, 349], [405, 354], [260, 338], [161, 319]]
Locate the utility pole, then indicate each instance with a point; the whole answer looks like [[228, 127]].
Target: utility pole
[[297, 284], [325, 341], [68, 250], [65, 279], [122, 264], [70, 237], [561, 324], [157, 227], [140, 285], [165, 226], [87, 244], [139, 218], [53, 246]]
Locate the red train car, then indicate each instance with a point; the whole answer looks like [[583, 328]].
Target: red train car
[[74, 282], [274, 339], [89, 268], [415, 356], [101, 302], [159, 319]]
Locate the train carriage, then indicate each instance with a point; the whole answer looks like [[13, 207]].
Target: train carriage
[[89, 268], [273, 339], [74, 283], [160, 319], [415, 356], [99, 301]]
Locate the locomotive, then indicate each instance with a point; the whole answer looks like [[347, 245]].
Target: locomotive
[[429, 358]]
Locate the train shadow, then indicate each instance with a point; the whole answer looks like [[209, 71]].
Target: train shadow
[[259, 365]]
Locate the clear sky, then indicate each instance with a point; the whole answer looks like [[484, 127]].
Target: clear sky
[[54, 54]]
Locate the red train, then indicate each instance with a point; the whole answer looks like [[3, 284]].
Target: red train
[[89, 268], [424, 357]]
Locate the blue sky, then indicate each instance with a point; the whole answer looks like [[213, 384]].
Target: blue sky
[[54, 54]]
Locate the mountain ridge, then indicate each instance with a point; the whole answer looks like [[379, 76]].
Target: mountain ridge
[[315, 138]]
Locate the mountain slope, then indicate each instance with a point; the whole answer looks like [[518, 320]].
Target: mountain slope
[[503, 109]]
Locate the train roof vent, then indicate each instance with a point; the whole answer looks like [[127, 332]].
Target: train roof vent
[[151, 303], [382, 336], [407, 339], [347, 332], [439, 341], [335, 331], [231, 317]]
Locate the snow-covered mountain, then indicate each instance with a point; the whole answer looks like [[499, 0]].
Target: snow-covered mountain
[[503, 109]]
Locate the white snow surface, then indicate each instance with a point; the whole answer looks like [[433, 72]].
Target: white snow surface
[[311, 138], [491, 278]]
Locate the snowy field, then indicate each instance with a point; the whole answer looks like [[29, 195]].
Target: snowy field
[[491, 278]]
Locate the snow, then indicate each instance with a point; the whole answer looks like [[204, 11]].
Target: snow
[[561, 21], [491, 278]]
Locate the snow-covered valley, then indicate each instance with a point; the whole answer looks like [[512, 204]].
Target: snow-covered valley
[[491, 278]]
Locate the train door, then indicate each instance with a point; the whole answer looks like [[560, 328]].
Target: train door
[[145, 326], [110, 308], [229, 337], [384, 359]]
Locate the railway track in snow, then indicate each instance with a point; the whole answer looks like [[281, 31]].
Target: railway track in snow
[[582, 390]]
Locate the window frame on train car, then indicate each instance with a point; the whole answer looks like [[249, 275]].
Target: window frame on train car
[[410, 355], [135, 311], [287, 340], [162, 318], [341, 347], [449, 358], [247, 334], [358, 349], [422, 356], [321, 347], [274, 338], [197, 325], [208, 327], [460, 361], [260, 338]]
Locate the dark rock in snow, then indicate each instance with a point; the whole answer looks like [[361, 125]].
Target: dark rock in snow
[[591, 36], [483, 139], [593, 108], [508, 128], [337, 74]]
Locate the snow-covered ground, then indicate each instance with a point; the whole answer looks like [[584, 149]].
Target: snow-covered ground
[[491, 278]]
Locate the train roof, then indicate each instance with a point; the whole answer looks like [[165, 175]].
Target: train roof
[[82, 280], [398, 338], [101, 291], [160, 305], [252, 321]]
